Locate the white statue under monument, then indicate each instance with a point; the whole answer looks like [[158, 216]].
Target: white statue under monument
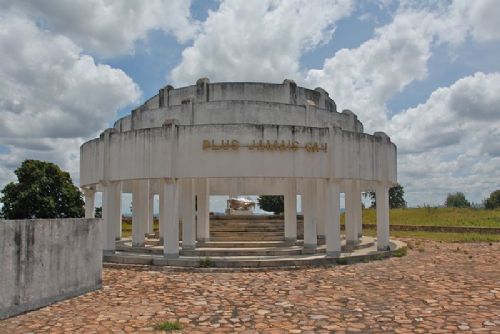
[[240, 206]]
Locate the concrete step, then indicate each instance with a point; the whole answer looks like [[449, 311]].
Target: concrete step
[[244, 239], [246, 228], [248, 258], [245, 244]]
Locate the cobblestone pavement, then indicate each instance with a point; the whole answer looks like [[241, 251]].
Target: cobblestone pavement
[[436, 288]]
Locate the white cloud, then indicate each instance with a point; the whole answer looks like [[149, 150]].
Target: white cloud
[[481, 18], [52, 95], [109, 27], [258, 40], [450, 142]]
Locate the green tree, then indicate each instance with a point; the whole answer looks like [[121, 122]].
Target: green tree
[[456, 200], [43, 190], [396, 197], [98, 212], [493, 201], [273, 203]]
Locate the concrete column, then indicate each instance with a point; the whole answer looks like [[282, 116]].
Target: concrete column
[[140, 211], [351, 226], [310, 237], [382, 198], [111, 213], [358, 207], [169, 221], [291, 210], [233, 189], [202, 213], [162, 212], [320, 208], [150, 229], [89, 203], [332, 221], [188, 214]]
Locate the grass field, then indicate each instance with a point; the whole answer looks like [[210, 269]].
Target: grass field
[[438, 217], [423, 216]]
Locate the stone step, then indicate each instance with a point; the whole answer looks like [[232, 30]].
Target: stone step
[[244, 238], [246, 229], [245, 244], [272, 251]]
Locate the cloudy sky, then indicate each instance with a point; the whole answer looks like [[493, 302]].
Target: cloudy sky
[[427, 73]]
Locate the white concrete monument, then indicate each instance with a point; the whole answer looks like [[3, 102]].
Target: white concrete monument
[[235, 139]]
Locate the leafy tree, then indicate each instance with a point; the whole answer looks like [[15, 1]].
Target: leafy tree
[[493, 201], [396, 197], [271, 203], [456, 200], [43, 190], [98, 212]]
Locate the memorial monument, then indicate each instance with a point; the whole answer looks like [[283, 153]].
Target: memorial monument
[[238, 139]]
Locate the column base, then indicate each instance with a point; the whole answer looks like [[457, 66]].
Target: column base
[[352, 242], [383, 248], [290, 241], [333, 254], [360, 235], [138, 244], [203, 239], [309, 249], [171, 255]]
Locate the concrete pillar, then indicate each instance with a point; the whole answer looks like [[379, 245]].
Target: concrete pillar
[[140, 211], [162, 213], [332, 218], [202, 212], [310, 237], [169, 221], [89, 203], [382, 198], [150, 228], [351, 226], [358, 207], [188, 214], [233, 188], [320, 208], [111, 213], [291, 210]]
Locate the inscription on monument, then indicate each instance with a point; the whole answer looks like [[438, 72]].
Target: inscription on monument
[[264, 145]]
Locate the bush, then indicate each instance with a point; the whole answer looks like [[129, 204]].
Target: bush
[[456, 200], [274, 203], [493, 201]]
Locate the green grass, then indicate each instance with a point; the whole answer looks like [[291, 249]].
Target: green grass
[[422, 216], [442, 236], [400, 252], [168, 326], [437, 217]]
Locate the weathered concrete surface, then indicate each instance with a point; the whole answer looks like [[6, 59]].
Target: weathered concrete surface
[[436, 288], [47, 260]]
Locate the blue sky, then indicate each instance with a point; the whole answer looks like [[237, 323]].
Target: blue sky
[[426, 73]]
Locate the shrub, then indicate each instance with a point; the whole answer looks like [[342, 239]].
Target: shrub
[[456, 200], [493, 201], [272, 203]]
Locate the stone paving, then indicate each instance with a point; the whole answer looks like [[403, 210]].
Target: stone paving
[[436, 288]]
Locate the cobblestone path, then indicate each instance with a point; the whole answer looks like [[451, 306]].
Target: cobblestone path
[[436, 288]]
